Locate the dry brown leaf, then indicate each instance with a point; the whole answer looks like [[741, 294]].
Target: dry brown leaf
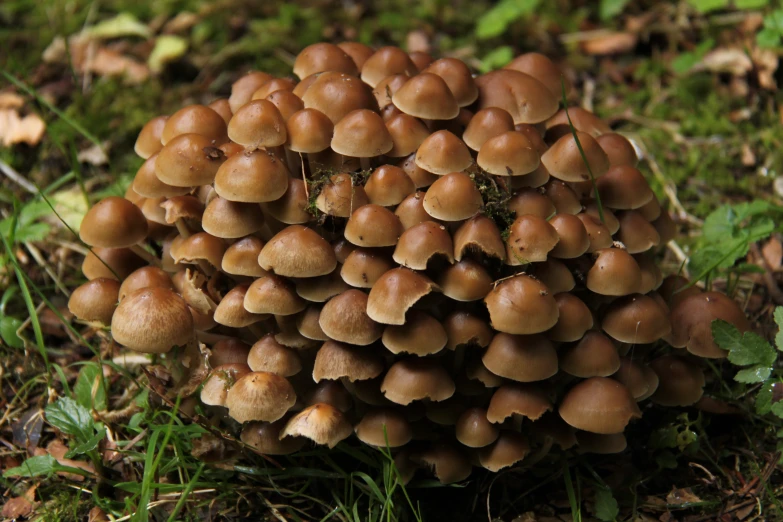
[[773, 253], [610, 43], [15, 129], [766, 61], [94, 155], [726, 60], [748, 157], [16, 508], [678, 497], [10, 100], [88, 55], [58, 449], [97, 515]]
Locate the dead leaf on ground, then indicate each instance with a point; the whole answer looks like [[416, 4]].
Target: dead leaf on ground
[[58, 449], [18, 507], [773, 253], [726, 60], [678, 497], [88, 56], [10, 100], [14, 129], [94, 155], [610, 43]]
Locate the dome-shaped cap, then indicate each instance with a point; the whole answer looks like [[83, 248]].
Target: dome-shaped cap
[[521, 95], [476, 371], [582, 120], [574, 320], [385, 89], [421, 178], [479, 234], [530, 239], [407, 134], [144, 277], [188, 160], [651, 210], [287, 103], [597, 232], [453, 197], [199, 247], [486, 124], [241, 258], [618, 149], [595, 355], [444, 413], [385, 62], [242, 89], [228, 351], [564, 160], [388, 186], [458, 78], [542, 69], [308, 325], [344, 318], [563, 198], [680, 382], [113, 222], [692, 321], [420, 243], [273, 294], [442, 152], [231, 219], [394, 293], [364, 266], [426, 96], [330, 392], [148, 142], [361, 134], [223, 108], [521, 358], [340, 196], [652, 276], [474, 430], [253, 177], [373, 226], [111, 263], [195, 119], [675, 288], [527, 400], [257, 124], [309, 131], [267, 355], [614, 272], [297, 251], [466, 280], [336, 94], [320, 57], [551, 426], [636, 233], [336, 360], [95, 300], [448, 463], [601, 444], [414, 379], [599, 405], [182, 207], [521, 305], [421, 59], [292, 207], [260, 396], [273, 86], [421, 335], [411, 211], [463, 328], [609, 220], [624, 187], [219, 381], [636, 319], [146, 183], [264, 437], [384, 427], [320, 289], [152, 320], [153, 212], [555, 275], [510, 448], [358, 52], [508, 154], [631, 374], [231, 310]]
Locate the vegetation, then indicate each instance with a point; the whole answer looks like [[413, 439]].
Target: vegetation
[[694, 82]]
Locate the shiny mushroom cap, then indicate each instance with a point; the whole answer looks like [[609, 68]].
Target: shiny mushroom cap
[[260, 396], [521, 305], [599, 405], [152, 320], [113, 222]]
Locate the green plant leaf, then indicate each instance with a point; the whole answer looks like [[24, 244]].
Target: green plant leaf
[[609, 8], [496, 58], [495, 21], [71, 418], [705, 6], [34, 467], [779, 321], [606, 508], [753, 374], [751, 4], [764, 399], [8, 327], [744, 349], [87, 445], [87, 381], [777, 409], [167, 49], [124, 24], [768, 38]]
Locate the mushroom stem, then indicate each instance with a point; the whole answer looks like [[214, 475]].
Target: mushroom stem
[[182, 228], [365, 163], [292, 160], [542, 452], [211, 338], [146, 256], [257, 331]]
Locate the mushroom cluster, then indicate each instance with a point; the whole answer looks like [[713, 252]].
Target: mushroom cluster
[[449, 265]]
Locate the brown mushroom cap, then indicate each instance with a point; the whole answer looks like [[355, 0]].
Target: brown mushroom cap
[[330, 392], [195, 119], [385, 62], [320, 57], [637, 319], [652, 277], [563, 197], [291, 208], [521, 358], [555, 275], [309, 131], [609, 219], [426, 96], [388, 185], [308, 324], [421, 178], [615, 272], [631, 374], [521, 305], [530, 239], [113, 222], [256, 124], [373, 226], [219, 381], [479, 234], [364, 266], [448, 463], [146, 183], [344, 318], [182, 207], [231, 219], [507, 450], [636, 233], [421, 335], [231, 309], [486, 124], [297, 251], [527, 400], [320, 289], [474, 430], [386, 88], [241, 258], [223, 108], [624, 187], [242, 89], [265, 438], [573, 237], [228, 351], [411, 211], [340, 196], [152, 320], [574, 320], [692, 321], [466, 280], [618, 149], [273, 294], [260, 396], [597, 232], [361, 134], [414, 378], [508, 154], [254, 177], [112, 263], [144, 277], [453, 197], [267, 355], [384, 427], [336, 94], [442, 152], [420, 59], [599, 405], [521, 95], [476, 371], [420, 243], [199, 247], [394, 293], [357, 51], [458, 78], [681, 382], [148, 142], [564, 160], [407, 134], [286, 102], [582, 120], [675, 288], [542, 69], [336, 360], [95, 300], [595, 355], [464, 328]]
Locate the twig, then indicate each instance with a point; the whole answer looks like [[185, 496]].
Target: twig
[[17, 178]]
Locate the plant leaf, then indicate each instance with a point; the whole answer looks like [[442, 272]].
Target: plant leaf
[[764, 399], [606, 508], [610, 8], [779, 321], [89, 379], [495, 21], [34, 467], [753, 374], [71, 418], [87, 445], [8, 327], [744, 349]]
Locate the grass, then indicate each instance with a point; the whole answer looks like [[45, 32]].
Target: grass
[[695, 129]]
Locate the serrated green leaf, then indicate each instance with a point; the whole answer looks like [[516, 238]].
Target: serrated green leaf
[[777, 409], [87, 381], [8, 328], [43, 465], [71, 418], [753, 374], [606, 507], [87, 445], [744, 349], [779, 321], [610, 8], [764, 399], [495, 21], [727, 336]]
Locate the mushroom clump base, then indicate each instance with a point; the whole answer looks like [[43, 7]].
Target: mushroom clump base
[[393, 249]]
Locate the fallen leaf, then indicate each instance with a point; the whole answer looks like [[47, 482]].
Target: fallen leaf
[[726, 60], [10, 100], [18, 507], [766, 62], [124, 24], [97, 515], [167, 49], [677, 497], [180, 23], [15, 129], [773, 253], [610, 43], [106, 62], [748, 157], [94, 155], [58, 449]]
